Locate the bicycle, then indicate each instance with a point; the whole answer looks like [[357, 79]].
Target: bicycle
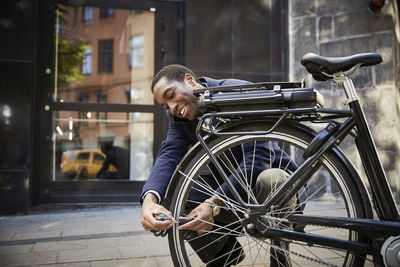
[[336, 220]]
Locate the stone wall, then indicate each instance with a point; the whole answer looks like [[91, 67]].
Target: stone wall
[[342, 28]]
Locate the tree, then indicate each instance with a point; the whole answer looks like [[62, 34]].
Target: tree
[[70, 52]]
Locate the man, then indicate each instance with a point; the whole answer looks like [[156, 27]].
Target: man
[[117, 156], [173, 88]]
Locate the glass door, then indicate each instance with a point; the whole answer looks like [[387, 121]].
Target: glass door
[[103, 56], [98, 134]]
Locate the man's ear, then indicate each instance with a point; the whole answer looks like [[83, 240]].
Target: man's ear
[[190, 79]]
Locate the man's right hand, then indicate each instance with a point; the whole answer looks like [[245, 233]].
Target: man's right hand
[[151, 210]]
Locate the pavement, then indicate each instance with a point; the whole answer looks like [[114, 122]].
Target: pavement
[[81, 235]]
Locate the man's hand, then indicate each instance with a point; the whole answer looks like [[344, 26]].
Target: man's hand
[[150, 209], [202, 219]]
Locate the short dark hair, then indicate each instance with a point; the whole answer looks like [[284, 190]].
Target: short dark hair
[[172, 72]]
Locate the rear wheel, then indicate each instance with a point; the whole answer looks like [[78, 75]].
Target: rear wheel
[[331, 191]]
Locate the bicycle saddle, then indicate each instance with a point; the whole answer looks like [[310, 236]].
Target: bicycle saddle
[[318, 65]]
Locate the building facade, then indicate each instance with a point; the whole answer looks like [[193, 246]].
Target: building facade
[[342, 28], [78, 120]]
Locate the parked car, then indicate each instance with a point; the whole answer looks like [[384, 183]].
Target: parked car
[[83, 163]]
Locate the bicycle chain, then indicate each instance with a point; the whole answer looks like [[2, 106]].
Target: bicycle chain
[[292, 252], [303, 256]]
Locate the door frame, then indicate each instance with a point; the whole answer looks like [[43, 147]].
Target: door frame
[[42, 188]]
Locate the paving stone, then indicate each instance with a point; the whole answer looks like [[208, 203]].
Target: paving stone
[[30, 259], [125, 228], [103, 213], [85, 231], [165, 261], [15, 249], [67, 215], [116, 222], [86, 219], [78, 255], [29, 218], [114, 242], [60, 245], [131, 210], [37, 234], [6, 235], [147, 246], [143, 262], [76, 264]]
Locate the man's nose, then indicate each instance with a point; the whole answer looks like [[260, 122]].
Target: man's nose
[[172, 107]]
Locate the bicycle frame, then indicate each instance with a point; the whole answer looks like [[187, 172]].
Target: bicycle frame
[[355, 120]]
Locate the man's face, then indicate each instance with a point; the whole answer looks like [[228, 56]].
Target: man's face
[[178, 96]]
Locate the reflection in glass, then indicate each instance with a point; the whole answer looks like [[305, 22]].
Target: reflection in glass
[[87, 62], [103, 51], [137, 51], [120, 147]]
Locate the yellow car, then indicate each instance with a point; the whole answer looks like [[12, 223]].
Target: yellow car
[[83, 163]]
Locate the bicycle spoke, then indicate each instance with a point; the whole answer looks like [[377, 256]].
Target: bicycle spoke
[[250, 192], [242, 182]]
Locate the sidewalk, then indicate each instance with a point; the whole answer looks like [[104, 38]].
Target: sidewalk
[[87, 236]]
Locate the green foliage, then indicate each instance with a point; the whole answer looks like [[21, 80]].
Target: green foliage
[[70, 52], [70, 56]]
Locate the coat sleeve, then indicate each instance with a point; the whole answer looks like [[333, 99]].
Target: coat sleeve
[[172, 151]]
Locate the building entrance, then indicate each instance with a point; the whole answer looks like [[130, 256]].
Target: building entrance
[[97, 129]]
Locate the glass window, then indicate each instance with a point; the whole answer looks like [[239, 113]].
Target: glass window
[[118, 148], [83, 97], [106, 12], [97, 156], [102, 144], [106, 50], [137, 51], [83, 156], [239, 39], [101, 116], [87, 62], [87, 14]]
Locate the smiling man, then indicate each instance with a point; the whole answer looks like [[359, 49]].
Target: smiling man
[[173, 88]]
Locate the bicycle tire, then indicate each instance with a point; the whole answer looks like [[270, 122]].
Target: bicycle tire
[[342, 196]]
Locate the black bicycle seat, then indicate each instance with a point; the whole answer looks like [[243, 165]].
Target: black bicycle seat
[[318, 65]]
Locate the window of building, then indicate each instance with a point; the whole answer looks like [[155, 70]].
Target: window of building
[[87, 62], [102, 116], [106, 13], [83, 97], [87, 14], [136, 51], [106, 48]]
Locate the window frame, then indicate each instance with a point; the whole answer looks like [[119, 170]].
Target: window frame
[[105, 56], [87, 62], [106, 12], [139, 48], [44, 189], [87, 14]]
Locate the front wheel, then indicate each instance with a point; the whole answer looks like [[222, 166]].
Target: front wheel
[[331, 191]]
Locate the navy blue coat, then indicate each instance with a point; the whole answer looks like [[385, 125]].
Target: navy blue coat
[[181, 136]]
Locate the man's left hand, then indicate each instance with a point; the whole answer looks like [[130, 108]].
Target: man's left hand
[[202, 219]]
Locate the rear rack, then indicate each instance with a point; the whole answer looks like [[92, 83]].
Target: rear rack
[[251, 87], [257, 96]]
